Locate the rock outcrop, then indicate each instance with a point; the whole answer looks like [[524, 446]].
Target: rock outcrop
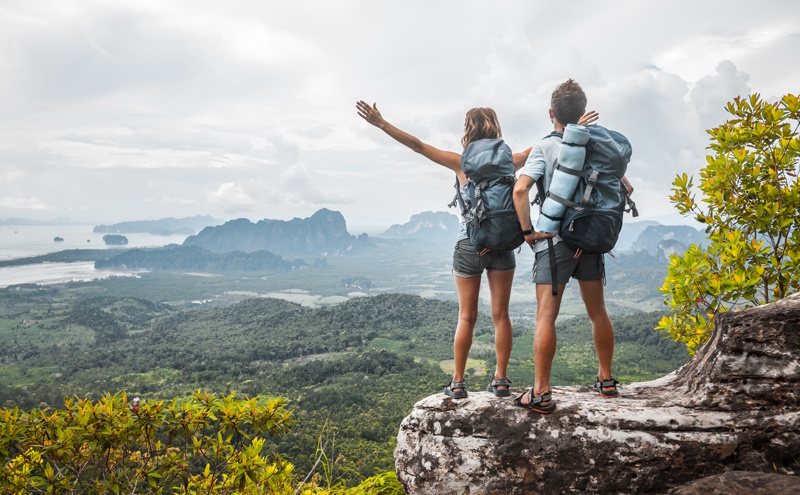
[[742, 483], [322, 234], [430, 226], [735, 406]]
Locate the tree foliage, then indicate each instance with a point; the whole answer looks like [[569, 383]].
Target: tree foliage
[[207, 444], [749, 202]]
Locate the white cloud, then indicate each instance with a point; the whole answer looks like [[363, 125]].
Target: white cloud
[[694, 57], [231, 198], [711, 93], [247, 108], [22, 203]]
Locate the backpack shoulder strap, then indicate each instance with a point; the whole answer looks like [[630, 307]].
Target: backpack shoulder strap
[[540, 192]]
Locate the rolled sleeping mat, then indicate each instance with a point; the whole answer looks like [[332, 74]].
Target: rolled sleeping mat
[[571, 156]]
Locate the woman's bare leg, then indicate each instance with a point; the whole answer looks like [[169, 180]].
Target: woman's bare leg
[[500, 289], [468, 290]]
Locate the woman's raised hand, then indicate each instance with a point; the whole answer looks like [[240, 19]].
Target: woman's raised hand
[[370, 113], [589, 117]]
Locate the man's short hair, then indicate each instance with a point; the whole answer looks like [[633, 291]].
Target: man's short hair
[[568, 102]]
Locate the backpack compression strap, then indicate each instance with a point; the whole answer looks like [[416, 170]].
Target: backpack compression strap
[[586, 200], [540, 195], [458, 199], [631, 205], [479, 211]]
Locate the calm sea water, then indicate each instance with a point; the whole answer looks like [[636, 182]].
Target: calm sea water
[[35, 240]]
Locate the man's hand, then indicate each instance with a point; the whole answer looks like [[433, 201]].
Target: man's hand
[[537, 236], [589, 117]]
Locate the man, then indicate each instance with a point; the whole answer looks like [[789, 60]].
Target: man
[[567, 104]]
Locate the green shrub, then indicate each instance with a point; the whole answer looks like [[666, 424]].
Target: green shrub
[[206, 444]]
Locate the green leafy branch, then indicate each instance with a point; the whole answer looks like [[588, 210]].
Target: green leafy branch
[[749, 203]]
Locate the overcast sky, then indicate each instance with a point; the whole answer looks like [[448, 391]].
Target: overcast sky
[[143, 109]]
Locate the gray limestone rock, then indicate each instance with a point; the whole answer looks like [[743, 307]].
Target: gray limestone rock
[[742, 483], [735, 406]]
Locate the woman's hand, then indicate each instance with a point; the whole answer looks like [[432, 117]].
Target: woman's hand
[[587, 118], [445, 158], [370, 114]]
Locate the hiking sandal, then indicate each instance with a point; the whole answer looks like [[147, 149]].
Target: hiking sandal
[[599, 385], [449, 389], [536, 401], [499, 382]]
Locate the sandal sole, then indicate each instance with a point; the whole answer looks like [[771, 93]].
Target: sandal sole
[[535, 409], [499, 393]]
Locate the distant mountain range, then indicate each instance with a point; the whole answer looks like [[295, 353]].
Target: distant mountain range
[[429, 225], [164, 226], [268, 245], [630, 233], [658, 240], [322, 234], [653, 239]]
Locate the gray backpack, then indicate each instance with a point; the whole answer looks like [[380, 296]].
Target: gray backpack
[[489, 204], [593, 218]]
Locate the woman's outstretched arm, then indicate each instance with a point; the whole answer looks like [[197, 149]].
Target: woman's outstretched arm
[[445, 158], [521, 158]]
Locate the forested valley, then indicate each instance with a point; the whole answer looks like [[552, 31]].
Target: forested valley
[[350, 372]]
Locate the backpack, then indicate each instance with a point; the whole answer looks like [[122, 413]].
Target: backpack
[[489, 204], [593, 217]]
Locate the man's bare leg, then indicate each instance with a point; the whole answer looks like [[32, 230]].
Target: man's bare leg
[[544, 337], [602, 328]]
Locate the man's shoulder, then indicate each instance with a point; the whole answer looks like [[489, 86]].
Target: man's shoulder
[[550, 141], [547, 144], [549, 147]]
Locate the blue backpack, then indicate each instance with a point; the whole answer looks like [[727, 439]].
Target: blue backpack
[[489, 205], [593, 218]]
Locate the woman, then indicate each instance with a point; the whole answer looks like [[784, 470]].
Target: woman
[[468, 260]]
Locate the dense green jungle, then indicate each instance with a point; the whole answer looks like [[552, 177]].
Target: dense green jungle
[[351, 344]]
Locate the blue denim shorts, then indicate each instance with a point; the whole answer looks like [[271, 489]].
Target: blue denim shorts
[[468, 262]]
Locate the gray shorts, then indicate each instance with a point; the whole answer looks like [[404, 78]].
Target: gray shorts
[[584, 267], [468, 262]]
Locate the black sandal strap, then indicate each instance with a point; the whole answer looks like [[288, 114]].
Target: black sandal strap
[[545, 397]]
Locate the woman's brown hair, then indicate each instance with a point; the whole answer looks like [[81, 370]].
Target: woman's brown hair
[[481, 123]]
